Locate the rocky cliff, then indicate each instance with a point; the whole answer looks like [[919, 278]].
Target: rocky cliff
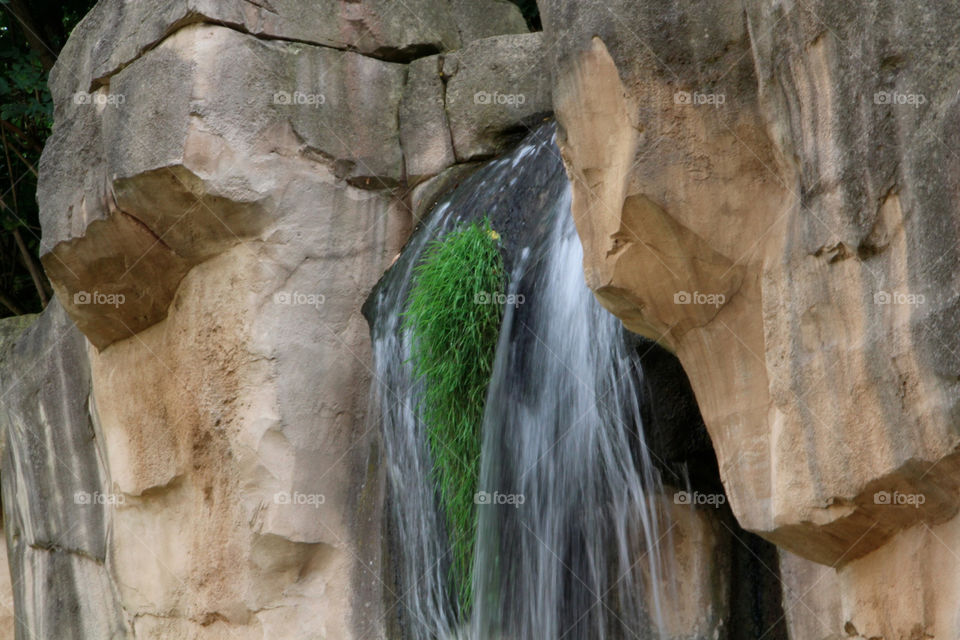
[[768, 189], [225, 183]]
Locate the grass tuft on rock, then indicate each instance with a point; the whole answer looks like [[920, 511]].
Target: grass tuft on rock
[[454, 318]]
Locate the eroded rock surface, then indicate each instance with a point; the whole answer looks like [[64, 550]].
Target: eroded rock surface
[[770, 190], [225, 183]]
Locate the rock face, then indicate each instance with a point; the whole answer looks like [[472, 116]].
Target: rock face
[[56, 490], [770, 190], [225, 183]]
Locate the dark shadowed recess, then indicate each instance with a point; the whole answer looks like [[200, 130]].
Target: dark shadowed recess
[[682, 450], [530, 13]]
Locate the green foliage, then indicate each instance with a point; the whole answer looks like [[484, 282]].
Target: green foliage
[[454, 320], [32, 32]]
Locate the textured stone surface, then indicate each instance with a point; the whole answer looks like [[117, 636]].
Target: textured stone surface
[[770, 190], [497, 90], [135, 193], [811, 598], [116, 32], [424, 129], [906, 589], [56, 491], [478, 19], [676, 197], [243, 234]]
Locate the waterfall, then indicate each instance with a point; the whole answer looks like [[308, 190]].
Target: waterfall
[[568, 542]]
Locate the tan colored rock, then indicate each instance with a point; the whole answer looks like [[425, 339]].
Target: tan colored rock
[[811, 598], [695, 591], [688, 201], [244, 231], [175, 170], [115, 33], [769, 191], [425, 195], [906, 589], [215, 211]]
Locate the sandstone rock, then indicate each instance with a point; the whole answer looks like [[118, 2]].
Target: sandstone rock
[[56, 494], [243, 227], [8, 615], [125, 214], [115, 33], [497, 89], [766, 189], [696, 591], [687, 176], [811, 598], [906, 589], [478, 19]]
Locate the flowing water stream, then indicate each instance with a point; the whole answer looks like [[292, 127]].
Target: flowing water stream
[[568, 542]]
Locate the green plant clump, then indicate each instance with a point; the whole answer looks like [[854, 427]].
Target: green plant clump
[[454, 315]]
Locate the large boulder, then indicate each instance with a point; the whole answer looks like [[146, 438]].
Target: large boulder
[[768, 189], [170, 163], [497, 90], [224, 184], [477, 19]]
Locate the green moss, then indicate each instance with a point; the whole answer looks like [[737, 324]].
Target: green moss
[[455, 320]]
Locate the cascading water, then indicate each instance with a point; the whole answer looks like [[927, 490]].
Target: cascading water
[[567, 544]]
